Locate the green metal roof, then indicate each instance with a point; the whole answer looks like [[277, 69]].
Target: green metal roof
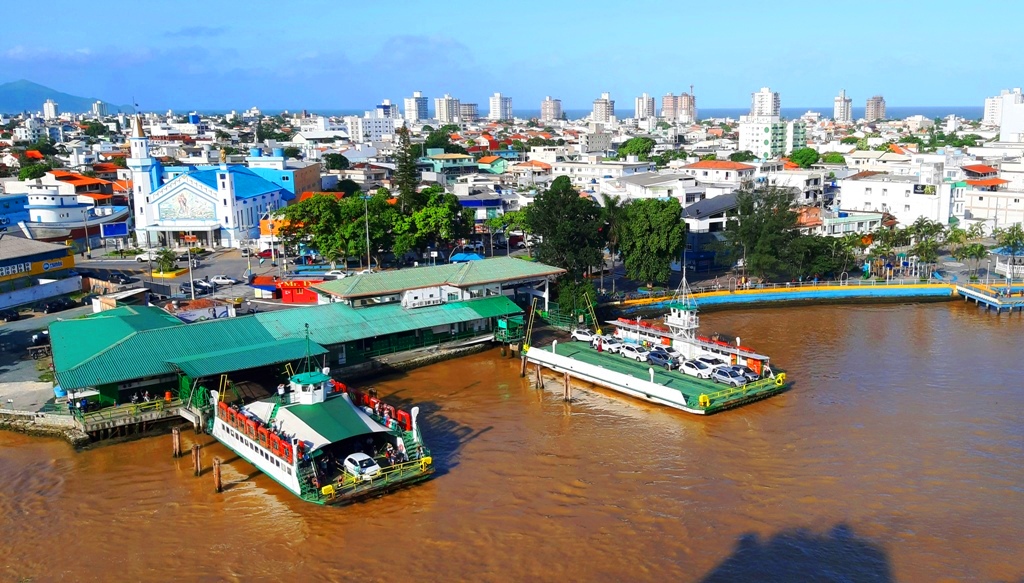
[[310, 378], [494, 270], [78, 340], [334, 419], [338, 323], [245, 357]]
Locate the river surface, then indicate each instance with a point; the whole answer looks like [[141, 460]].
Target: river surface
[[897, 456]]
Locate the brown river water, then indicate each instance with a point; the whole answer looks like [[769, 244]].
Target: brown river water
[[897, 456]]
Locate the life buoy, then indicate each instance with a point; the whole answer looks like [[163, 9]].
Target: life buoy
[[404, 419], [704, 401], [780, 379]]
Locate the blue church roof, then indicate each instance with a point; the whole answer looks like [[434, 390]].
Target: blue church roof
[[247, 183]]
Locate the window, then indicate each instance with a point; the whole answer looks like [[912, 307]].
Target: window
[[285, 178], [980, 198], [906, 207], [885, 191]]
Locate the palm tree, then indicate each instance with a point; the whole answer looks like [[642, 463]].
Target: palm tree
[[956, 238], [976, 252], [975, 231], [613, 213], [1011, 241]]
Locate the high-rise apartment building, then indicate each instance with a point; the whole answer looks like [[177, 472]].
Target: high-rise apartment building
[[469, 112], [416, 107], [842, 108], [767, 136], [994, 107], [765, 102], [604, 109], [644, 107], [99, 109], [446, 109], [50, 110], [550, 109], [875, 109], [500, 108], [1011, 117], [687, 108], [669, 106], [385, 110]]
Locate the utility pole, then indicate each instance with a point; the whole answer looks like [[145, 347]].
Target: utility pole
[[366, 217], [191, 280]]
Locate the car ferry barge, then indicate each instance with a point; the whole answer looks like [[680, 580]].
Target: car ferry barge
[[604, 363], [324, 442]]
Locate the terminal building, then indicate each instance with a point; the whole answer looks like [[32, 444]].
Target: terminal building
[[33, 271]]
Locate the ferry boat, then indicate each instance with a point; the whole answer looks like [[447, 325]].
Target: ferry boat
[[678, 330], [324, 442]]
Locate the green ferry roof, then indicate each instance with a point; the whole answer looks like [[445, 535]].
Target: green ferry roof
[[310, 378], [332, 421]]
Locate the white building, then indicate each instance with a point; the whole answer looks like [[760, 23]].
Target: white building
[[589, 173], [369, 129], [905, 197], [1011, 117], [446, 109], [30, 130], [994, 107], [720, 171], [997, 208], [842, 108], [416, 107], [604, 109], [500, 108], [598, 141], [917, 123], [99, 109], [767, 136], [765, 103], [50, 110], [683, 187], [550, 109], [875, 109], [643, 107]]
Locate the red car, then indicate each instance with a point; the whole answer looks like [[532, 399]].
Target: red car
[[266, 254]]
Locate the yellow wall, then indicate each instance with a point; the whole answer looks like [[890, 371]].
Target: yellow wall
[[31, 268]]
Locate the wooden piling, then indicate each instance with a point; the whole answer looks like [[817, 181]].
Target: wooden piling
[[503, 351], [567, 389], [197, 463], [522, 368], [540, 382], [216, 475], [176, 442]]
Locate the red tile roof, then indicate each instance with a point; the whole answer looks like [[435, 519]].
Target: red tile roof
[[535, 164], [34, 155], [719, 165], [988, 182], [310, 194], [980, 169], [105, 167], [488, 159], [76, 179]]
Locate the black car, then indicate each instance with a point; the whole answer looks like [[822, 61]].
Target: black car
[[119, 278], [10, 315], [186, 288], [57, 305]]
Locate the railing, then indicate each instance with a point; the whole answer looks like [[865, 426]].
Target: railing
[[791, 285], [706, 400], [126, 410], [348, 485], [422, 342]]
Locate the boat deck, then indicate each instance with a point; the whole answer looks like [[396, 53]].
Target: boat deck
[[718, 396]]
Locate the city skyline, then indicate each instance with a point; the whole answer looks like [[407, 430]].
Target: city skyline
[[253, 60]]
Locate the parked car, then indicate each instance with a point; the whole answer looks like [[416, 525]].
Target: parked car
[[10, 315], [712, 361], [147, 255], [335, 274], [634, 351], [474, 245], [186, 288], [515, 241], [203, 284], [582, 335], [223, 280], [695, 368], [119, 278], [246, 252], [661, 358], [266, 254], [608, 343], [672, 352], [58, 305], [726, 374], [361, 466], [747, 372]]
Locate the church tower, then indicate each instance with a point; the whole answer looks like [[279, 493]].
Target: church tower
[[143, 168]]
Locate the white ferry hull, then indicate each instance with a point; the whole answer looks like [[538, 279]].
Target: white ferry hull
[[251, 453]]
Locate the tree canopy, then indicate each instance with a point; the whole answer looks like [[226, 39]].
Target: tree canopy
[[763, 227], [653, 236], [744, 156], [639, 146], [833, 158], [804, 157], [406, 177], [336, 162], [569, 226], [33, 171]]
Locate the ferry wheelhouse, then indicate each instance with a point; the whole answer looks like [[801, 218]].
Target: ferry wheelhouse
[[303, 439]]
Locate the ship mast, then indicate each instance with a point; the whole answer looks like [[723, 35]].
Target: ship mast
[[682, 319]]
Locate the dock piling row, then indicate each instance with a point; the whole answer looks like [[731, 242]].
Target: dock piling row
[[176, 442], [197, 462]]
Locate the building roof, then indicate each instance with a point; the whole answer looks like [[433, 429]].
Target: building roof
[[13, 247], [489, 159], [76, 179], [988, 182], [494, 270], [332, 421], [710, 206], [718, 165], [980, 169], [533, 164], [653, 178], [235, 358], [337, 323], [450, 157], [248, 184]]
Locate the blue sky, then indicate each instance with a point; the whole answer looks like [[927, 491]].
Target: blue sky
[[333, 54]]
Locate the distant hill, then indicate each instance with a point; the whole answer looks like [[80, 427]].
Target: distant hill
[[22, 95]]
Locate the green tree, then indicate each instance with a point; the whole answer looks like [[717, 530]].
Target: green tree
[[45, 147], [406, 176], [744, 156], [442, 220], [834, 158], [709, 157], [804, 157], [613, 215], [640, 147], [120, 162], [336, 161], [763, 229], [33, 171], [849, 140], [221, 135], [667, 156], [348, 186], [1011, 241], [441, 138], [569, 226], [292, 152], [317, 221], [166, 261], [95, 129], [574, 295], [664, 125], [652, 237]]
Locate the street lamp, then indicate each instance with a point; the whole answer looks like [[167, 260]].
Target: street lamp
[[988, 271]]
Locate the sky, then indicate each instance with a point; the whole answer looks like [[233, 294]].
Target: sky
[[192, 54]]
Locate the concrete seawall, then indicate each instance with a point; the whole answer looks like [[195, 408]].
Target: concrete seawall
[[780, 293]]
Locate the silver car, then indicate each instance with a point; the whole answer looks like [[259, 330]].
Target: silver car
[[746, 371]]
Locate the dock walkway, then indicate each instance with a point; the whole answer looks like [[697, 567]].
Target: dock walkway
[[992, 296]]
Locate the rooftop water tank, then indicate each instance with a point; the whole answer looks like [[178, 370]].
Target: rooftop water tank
[[278, 152], [255, 152]]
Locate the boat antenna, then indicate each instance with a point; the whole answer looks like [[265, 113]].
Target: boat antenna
[[308, 367]]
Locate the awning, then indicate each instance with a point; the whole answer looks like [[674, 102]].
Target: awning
[[241, 358]]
